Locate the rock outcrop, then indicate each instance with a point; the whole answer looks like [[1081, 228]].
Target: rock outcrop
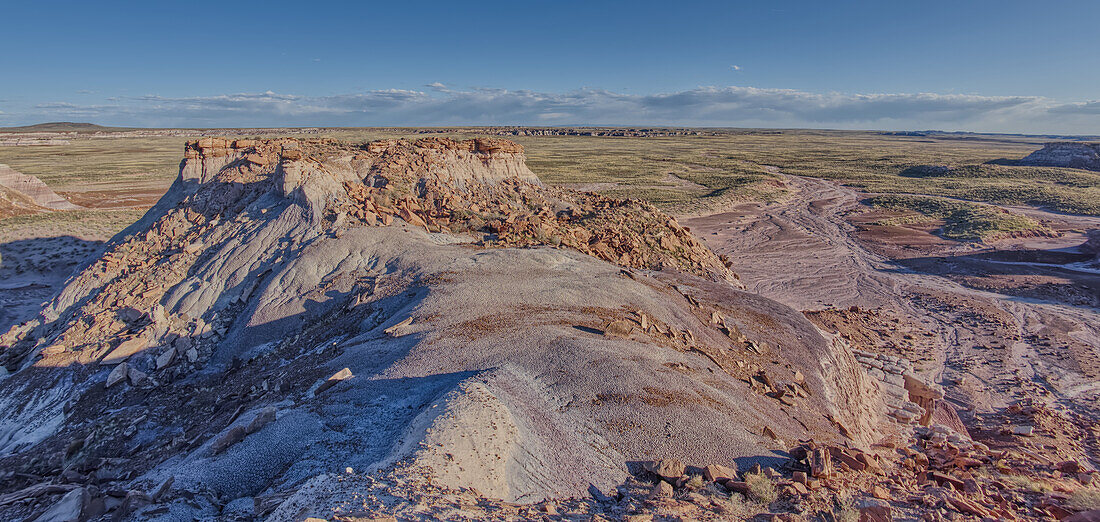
[[292, 308], [1072, 154], [1092, 245], [14, 203], [27, 193], [31, 142]]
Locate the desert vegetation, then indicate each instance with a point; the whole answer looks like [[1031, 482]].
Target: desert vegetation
[[678, 173], [474, 254], [962, 220]]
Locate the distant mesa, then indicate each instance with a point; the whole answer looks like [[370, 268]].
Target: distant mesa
[[1071, 154], [58, 126]]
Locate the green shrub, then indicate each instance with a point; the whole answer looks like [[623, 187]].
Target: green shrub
[[963, 221]]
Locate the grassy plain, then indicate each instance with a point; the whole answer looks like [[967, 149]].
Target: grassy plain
[[679, 173], [733, 164]]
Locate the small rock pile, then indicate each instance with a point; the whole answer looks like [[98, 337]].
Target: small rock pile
[[733, 352], [821, 482], [941, 474]]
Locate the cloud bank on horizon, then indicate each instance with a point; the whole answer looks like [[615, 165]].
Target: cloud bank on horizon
[[439, 105]]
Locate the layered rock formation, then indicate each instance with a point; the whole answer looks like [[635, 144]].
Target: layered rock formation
[[31, 142], [14, 203], [20, 193], [1072, 154], [295, 309]]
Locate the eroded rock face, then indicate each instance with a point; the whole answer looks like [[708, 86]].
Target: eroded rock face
[[1093, 243], [1072, 154], [463, 307], [33, 188]]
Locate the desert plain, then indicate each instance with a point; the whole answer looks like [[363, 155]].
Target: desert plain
[[504, 323]]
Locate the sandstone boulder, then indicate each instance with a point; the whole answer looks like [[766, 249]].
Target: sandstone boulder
[[716, 473], [265, 417], [136, 376], [661, 490], [70, 508], [124, 350], [336, 378], [668, 469], [165, 359], [620, 328], [229, 438], [118, 374], [877, 512]]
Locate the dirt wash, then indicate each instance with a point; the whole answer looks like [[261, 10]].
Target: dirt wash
[[989, 349]]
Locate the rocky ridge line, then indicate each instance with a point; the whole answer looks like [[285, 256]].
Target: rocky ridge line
[[1071, 154]]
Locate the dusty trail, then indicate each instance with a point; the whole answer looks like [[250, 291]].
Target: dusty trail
[[991, 349], [800, 251]]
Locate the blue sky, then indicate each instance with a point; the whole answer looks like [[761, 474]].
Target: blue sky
[[1006, 66]]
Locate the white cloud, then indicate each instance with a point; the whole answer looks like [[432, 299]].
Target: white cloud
[[1086, 108], [705, 106], [735, 67]]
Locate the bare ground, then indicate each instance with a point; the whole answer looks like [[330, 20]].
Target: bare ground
[[989, 322]]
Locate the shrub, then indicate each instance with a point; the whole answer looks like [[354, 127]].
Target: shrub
[[761, 488], [962, 220], [695, 482]]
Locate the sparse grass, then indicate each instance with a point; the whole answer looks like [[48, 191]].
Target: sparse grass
[[737, 503], [98, 160], [714, 489], [761, 488], [1033, 485], [744, 509], [732, 165], [86, 224], [686, 174], [962, 220], [695, 482], [847, 514], [1084, 499], [846, 509]]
